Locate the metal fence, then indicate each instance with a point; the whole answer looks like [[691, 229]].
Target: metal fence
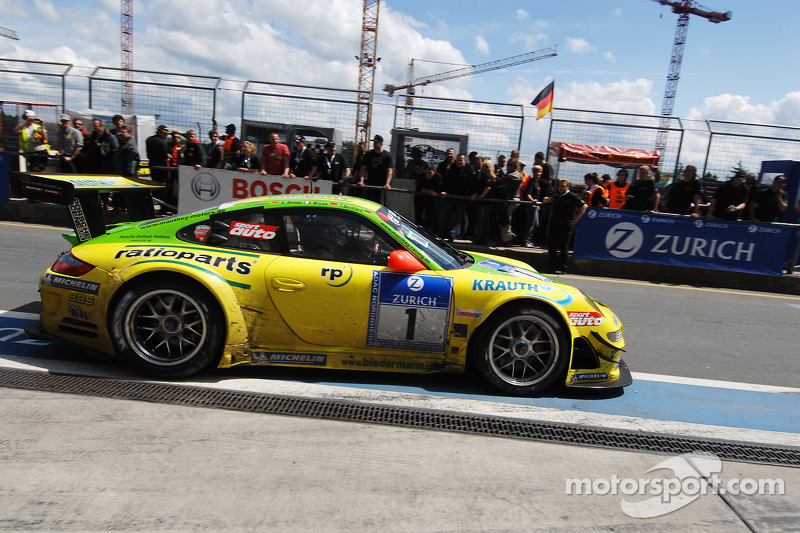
[[298, 104], [179, 101], [736, 144], [186, 101], [493, 128], [613, 129]]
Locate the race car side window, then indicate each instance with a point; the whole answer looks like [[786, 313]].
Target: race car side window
[[247, 229], [335, 235]]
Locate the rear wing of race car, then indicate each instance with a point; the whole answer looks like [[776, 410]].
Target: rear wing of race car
[[81, 194]]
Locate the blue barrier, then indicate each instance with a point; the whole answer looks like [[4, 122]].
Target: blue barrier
[[617, 235], [5, 166]]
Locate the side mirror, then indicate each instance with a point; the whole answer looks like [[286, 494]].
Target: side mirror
[[404, 261]]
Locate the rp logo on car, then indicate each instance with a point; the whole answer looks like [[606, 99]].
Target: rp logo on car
[[624, 240], [334, 274]]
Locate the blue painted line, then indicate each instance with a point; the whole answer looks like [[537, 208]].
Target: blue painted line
[[766, 411], [674, 402]]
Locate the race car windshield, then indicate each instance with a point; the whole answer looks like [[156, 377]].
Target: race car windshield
[[435, 248]]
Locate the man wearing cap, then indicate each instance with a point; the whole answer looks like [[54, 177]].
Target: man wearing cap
[[376, 170], [767, 203], [231, 148], [302, 159], [275, 157], [730, 199], [70, 144], [32, 141], [158, 154], [331, 166]]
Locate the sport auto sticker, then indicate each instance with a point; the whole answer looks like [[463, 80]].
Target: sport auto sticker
[[410, 312]]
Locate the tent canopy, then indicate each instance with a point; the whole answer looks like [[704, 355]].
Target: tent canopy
[[613, 156]]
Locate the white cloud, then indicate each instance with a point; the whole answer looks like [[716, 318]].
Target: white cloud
[[609, 56], [522, 14], [625, 96], [578, 45], [734, 107], [482, 45], [532, 41], [47, 10]]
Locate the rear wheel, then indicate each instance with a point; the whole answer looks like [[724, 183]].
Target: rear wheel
[[521, 351], [168, 328]]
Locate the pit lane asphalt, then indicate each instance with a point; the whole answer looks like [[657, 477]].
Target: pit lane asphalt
[[88, 464]]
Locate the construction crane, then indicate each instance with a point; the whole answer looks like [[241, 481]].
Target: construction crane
[[469, 70], [498, 64], [683, 8], [8, 34], [367, 61], [127, 56]]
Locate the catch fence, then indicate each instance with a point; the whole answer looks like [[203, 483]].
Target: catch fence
[[185, 101]]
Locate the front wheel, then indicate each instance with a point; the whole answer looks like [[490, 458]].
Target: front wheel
[[169, 329], [521, 351]]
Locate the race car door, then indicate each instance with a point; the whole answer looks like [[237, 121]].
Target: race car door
[[333, 289]]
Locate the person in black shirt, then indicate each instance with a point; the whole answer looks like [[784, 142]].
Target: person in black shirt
[[376, 170], [684, 195], [193, 152], [331, 166], [730, 199], [643, 194], [567, 209], [460, 181], [302, 160], [767, 203], [428, 188]]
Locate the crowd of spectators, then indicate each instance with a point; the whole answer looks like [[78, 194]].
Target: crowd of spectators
[[465, 196]]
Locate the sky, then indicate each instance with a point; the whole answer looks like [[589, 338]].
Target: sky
[[613, 55]]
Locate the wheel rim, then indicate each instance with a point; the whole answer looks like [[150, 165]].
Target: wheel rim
[[166, 327], [523, 350]]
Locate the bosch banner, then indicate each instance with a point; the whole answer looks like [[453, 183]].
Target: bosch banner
[[210, 187], [618, 235]]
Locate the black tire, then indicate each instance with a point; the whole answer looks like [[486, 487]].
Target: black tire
[[169, 328], [521, 351]]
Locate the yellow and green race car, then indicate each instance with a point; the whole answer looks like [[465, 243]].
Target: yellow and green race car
[[327, 282]]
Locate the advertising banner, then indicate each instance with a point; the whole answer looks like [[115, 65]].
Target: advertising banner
[[638, 237], [210, 187]]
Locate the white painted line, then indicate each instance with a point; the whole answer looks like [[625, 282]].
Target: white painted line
[[753, 387], [22, 316], [425, 401], [489, 408]]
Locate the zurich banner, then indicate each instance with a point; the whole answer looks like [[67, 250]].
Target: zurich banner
[[638, 237]]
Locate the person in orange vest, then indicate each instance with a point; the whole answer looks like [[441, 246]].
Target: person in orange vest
[[617, 190], [231, 149]]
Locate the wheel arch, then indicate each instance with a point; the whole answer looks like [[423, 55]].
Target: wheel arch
[[551, 309], [215, 286]]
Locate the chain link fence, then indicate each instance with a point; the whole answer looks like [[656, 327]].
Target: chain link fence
[[493, 128], [186, 101], [613, 129], [740, 145], [179, 101]]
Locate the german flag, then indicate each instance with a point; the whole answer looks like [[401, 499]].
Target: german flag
[[544, 100]]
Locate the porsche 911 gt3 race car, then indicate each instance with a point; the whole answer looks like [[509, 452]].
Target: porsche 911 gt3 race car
[[327, 282]]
